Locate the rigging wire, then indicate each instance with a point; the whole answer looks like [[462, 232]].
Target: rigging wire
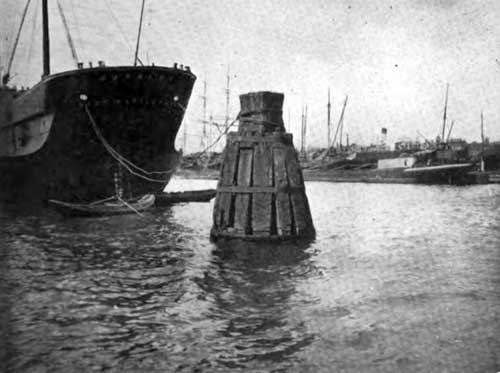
[[9, 38], [92, 26], [33, 30], [118, 25], [109, 8], [68, 34], [139, 34], [5, 78], [226, 130], [148, 43], [77, 25], [157, 35]]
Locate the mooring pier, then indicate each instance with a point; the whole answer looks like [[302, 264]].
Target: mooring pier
[[261, 192]]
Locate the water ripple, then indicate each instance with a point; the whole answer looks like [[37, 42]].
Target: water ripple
[[399, 278]]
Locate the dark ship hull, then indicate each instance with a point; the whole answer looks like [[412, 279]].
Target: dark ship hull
[[76, 135]]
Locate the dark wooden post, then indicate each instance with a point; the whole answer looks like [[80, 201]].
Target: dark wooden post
[[261, 193]]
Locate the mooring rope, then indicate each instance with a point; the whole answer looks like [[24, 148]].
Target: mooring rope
[[221, 134], [120, 158], [266, 123], [129, 206], [102, 200], [91, 204]]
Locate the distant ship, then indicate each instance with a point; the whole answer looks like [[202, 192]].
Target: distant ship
[[436, 166], [443, 162], [433, 166], [90, 133]]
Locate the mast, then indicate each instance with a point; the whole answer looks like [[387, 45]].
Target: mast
[[340, 123], [482, 142], [46, 39], [449, 131], [482, 132], [444, 113], [204, 119], [1, 66], [302, 132], [328, 120], [226, 123], [211, 122], [139, 34], [341, 129], [204, 98]]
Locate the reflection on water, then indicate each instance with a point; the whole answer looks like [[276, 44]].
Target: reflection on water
[[252, 287], [399, 278]]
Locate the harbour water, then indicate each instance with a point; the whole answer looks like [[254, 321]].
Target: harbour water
[[399, 278]]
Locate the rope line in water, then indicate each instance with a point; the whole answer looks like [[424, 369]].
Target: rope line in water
[[129, 206], [125, 203]]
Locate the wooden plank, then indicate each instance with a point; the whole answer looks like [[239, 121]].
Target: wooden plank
[[230, 164], [244, 177], [223, 211], [242, 222], [301, 213], [262, 177], [300, 205], [263, 166], [285, 225], [262, 213], [244, 144], [293, 169], [285, 138], [259, 189], [216, 212]]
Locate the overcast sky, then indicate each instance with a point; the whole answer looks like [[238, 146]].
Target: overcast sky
[[393, 58]]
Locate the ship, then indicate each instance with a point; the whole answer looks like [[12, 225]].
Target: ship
[[86, 134], [445, 161], [441, 165]]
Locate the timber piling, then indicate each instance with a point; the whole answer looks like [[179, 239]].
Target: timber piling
[[261, 193]]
